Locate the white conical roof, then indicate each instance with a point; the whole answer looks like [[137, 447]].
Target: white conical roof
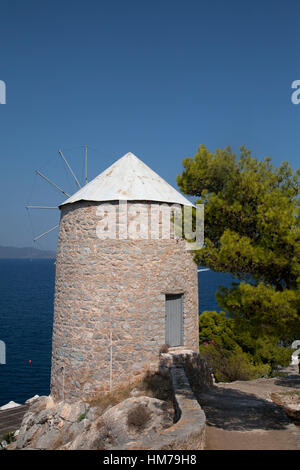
[[128, 179]]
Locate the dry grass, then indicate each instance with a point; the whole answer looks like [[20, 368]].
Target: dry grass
[[153, 385], [164, 349], [114, 397]]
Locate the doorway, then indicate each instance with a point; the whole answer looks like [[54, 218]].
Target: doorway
[[174, 319]]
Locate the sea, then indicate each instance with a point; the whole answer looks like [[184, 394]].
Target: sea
[[26, 316]]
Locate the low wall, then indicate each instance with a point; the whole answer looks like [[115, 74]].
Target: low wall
[[188, 431], [196, 368]]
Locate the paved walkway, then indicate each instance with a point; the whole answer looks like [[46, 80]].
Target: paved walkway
[[242, 416], [10, 420]]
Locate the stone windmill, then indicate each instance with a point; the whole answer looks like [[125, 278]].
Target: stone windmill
[[121, 291]]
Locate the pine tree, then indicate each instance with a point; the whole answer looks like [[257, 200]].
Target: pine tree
[[252, 230]]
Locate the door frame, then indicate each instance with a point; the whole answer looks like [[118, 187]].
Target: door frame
[[182, 335]]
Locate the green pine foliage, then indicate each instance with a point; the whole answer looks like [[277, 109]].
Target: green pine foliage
[[252, 230], [235, 354]]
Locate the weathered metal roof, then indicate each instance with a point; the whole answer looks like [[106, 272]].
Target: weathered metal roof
[[128, 179]]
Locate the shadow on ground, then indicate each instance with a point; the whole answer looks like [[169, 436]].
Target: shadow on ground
[[234, 410]]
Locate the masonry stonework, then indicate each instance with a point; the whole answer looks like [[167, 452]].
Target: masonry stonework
[[109, 313]]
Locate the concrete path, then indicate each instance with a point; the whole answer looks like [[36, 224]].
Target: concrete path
[[242, 416], [11, 419]]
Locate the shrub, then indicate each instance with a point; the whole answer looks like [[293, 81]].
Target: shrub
[[228, 366], [235, 352], [9, 437], [138, 416], [164, 348], [81, 417]]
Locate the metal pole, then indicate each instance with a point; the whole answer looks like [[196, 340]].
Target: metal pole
[[110, 367], [72, 172], [63, 382], [41, 207], [51, 182], [86, 180], [45, 233]]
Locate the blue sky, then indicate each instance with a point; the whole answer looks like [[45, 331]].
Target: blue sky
[[157, 78]]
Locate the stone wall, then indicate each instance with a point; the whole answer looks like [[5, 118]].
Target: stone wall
[[109, 314], [188, 431], [196, 368]]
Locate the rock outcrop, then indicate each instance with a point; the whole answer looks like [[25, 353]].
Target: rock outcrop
[[9, 405], [171, 419], [50, 425]]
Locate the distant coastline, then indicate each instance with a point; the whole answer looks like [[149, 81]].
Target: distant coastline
[[12, 252]]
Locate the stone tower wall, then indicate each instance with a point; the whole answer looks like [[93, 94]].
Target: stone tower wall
[[109, 313]]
